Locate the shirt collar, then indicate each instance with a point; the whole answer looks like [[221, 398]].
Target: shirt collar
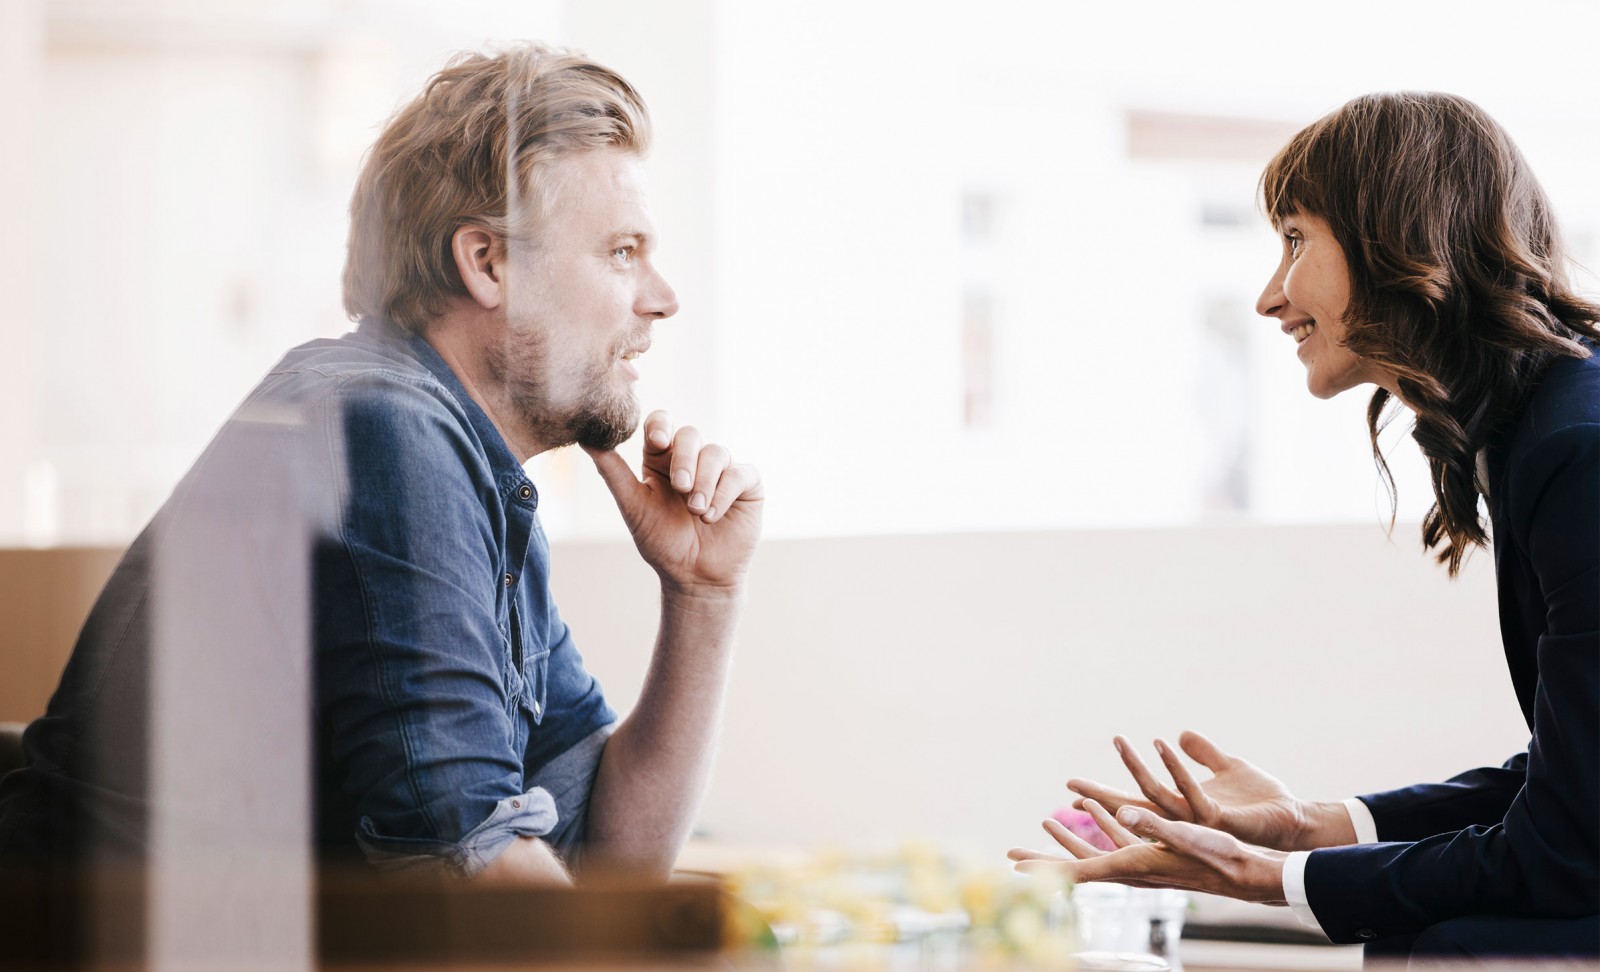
[[508, 472]]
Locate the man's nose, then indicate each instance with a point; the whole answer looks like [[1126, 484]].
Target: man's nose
[[658, 300]]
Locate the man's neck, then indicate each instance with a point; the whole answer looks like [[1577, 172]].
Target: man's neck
[[460, 336]]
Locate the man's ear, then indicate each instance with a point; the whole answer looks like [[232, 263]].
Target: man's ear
[[480, 257]]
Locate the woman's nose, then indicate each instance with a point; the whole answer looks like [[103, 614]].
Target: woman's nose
[[1271, 301]]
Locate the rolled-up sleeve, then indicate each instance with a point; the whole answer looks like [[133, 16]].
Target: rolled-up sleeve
[[533, 814], [569, 779]]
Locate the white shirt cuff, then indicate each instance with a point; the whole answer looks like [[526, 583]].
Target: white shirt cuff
[[1361, 820], [1294, 889], [1294, 866]]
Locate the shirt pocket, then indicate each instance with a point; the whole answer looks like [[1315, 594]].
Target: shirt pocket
[[535, 673], [527, 670]]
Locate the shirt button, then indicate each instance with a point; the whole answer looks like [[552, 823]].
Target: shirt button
[[516, 804], [1366, 934], [525, 491], [510, 580]]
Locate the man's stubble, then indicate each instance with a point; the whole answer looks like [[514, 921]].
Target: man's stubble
[[586, 408]]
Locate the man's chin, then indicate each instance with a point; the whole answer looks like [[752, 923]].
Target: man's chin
[[605, 432]]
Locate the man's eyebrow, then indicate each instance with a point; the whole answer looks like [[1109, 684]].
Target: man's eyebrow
[[633, 234]]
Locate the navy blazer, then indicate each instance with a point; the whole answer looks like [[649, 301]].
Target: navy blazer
[[1522, 839]]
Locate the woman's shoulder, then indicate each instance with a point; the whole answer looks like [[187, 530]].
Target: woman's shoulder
[[1568, 395], [1557, 436]]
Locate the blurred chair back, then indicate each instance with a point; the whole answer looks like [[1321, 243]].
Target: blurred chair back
[[44, 596], [10, 746]]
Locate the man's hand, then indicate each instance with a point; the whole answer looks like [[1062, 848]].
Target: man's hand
[[1176, 855], [695, 514], [1239, 798]]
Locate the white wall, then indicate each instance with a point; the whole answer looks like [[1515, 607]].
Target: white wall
[[947, 686], [189, 166], [19, 433]]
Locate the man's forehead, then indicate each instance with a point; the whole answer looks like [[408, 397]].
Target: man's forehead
[[604, 185], [604, 172]]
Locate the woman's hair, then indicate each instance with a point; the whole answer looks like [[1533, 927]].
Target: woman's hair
[[1458, 276], [470, 149]]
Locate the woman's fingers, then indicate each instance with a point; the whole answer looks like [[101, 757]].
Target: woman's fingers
[[1130, 864], [1201, 806], [1169, 802], [1075, 845], [1203, 751], [1119, 834], [1184, 845], [1078, 872], [1065, 869], [1023, 854], [1155, 852], [1107, 796]]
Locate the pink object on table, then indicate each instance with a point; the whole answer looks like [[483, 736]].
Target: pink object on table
[[1083, 825]]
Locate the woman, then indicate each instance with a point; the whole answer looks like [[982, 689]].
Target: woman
[[1420, 256]]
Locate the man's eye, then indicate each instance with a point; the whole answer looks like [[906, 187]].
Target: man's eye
[[622, 254]]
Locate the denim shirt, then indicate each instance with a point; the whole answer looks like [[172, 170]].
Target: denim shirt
[[452, 711]]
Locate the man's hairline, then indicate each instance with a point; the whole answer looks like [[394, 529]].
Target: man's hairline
[[544, 192]]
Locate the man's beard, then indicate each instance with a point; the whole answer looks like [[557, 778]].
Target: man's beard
[[563, 409], [606, 422]]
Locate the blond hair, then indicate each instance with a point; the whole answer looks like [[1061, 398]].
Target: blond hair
[[445, 161]]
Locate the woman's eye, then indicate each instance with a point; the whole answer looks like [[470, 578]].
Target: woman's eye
[[1293, 243]]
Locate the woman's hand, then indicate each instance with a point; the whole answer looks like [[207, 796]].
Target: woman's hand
[[1239, 798], [1156, 853]]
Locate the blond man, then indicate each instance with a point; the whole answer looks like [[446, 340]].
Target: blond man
[[501, 271]]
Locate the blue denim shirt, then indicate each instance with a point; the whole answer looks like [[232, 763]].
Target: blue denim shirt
[[453, 712]]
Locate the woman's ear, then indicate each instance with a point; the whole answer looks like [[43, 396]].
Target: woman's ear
[[479, 256]]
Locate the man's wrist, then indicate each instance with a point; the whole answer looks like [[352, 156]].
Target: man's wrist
[[702, 593]]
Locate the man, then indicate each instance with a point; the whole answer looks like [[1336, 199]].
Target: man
[[501, 270]]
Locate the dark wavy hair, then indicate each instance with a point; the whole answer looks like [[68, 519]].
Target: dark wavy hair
[[1458, 277]]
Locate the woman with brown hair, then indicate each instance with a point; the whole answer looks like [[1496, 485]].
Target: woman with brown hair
[[1420, 256]]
